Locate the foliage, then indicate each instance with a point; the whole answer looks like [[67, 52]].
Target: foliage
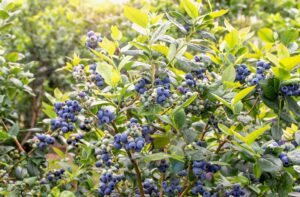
[[181, 104]]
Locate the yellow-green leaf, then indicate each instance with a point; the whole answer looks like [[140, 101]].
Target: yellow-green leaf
[[242, 94], [161, 49], [290, 62], [115, 33], [232, 39], [58, 152], [110, 75], [266, 34], [136, 16], [281, 73], [57, 93], [255, 134], [218, 13], [190, 8], [108, 46]]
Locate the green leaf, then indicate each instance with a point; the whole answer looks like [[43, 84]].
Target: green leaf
[[16, 82], [288, 36], [136, 16], [285, 184], [225, 129], [3, 14], [229, 74], [161, 30], [293, 105], [160, 141], [111, 76], [58, 152], [255, 134], [4, 136], [294, 156], [155, 157], [185, 104], [232, 39], [177, 24], [270, 88], [222, 101], [269, 163], [242, 94], [179, 119], [14, 130], [290, 62], [266, 34], [190, 8], [256, 170], [67, 194]]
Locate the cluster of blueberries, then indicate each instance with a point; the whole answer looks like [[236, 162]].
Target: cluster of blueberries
[[241, 72], [108, 182], [53, 176], [98, 78], [183, 90], [92, 40], [165, 82], [162, 94], [285, 160], [140, 87], [173, 188], [204, 170], [67, 115], [130, 142], [74, 141], [149, 188], [237, 191], [105, 158], [290, 90], [163, 166], [262, 66], [147, 131], [44, 140], [105, 116], [189, 79], [200, 73], [199, 189], [85, 125]]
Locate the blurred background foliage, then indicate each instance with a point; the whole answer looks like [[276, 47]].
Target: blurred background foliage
[[39, 36]]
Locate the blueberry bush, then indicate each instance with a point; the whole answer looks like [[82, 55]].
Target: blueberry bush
[[187, 105]]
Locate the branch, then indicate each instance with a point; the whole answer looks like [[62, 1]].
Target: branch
[[161, 192], [14, 138], [222, 144], [204, 131], [138, 174]]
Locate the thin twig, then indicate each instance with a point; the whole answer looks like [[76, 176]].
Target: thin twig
[[205, 129], [254, 105], [14, 138], [222, 144]]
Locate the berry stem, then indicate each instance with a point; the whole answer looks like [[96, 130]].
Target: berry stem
[[138, 174]]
